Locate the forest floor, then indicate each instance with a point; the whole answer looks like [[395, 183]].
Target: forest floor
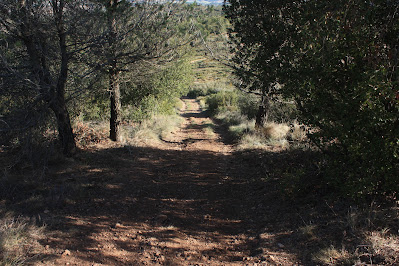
[[190, 199]]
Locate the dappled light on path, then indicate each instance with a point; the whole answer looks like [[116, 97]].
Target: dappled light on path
[[197, 132], [187, 201]]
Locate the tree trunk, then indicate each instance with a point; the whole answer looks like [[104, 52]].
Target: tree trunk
[[59, 108], [65, 132], [52, 92], [115, 94], [263, 112], [115, 97]]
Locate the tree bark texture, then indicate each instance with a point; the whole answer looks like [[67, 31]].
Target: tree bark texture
[[52, 92], [263, 112], [65, 132], [115, 99]]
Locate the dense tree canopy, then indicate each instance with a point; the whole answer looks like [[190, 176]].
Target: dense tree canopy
[[134, 31], [34, 64], [56, 54], [338, 61]]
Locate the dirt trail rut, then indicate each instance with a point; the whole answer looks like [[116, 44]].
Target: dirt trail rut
[[184, 202], [197, 133]]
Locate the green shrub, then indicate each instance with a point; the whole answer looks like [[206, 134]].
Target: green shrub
[[150, 106], [248, 105], [238, 131], [91, 105], [195, 93], [338, 62], [282, 112], [231, 118], [222, 101], [158, 93], [204, 89], [353, 104]]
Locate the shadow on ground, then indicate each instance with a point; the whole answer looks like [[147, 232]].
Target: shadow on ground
[[128, 204], [150, 198]]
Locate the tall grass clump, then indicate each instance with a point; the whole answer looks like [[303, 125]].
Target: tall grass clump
[[275, 131], [156, 129], [18, 240], [237, 111]]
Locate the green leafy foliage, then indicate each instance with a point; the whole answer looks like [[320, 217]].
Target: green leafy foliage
[[352, 99], [222, 101], [338, 61], [248, 104], [157, 93], [209, 19]]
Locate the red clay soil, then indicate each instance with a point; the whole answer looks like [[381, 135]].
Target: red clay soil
[[186, 201]]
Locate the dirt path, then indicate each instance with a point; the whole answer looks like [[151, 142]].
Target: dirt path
[[197, 133], [186, 202]]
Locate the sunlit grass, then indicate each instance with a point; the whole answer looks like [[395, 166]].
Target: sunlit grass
[[209, 129], [334, 256], [156, 129]]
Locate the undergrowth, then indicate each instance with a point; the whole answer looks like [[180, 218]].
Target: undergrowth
[[154, 130], [355, 235], [326, 229], [237, 111], [18, 240]]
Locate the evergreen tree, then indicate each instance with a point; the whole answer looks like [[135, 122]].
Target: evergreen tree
[[338, 61]]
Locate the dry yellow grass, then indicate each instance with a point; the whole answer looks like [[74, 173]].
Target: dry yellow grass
[[156, 129], [274, 131], [297, 132], [334, 256], [385, 245], [18, 240], [272, 136], [254, 140]]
